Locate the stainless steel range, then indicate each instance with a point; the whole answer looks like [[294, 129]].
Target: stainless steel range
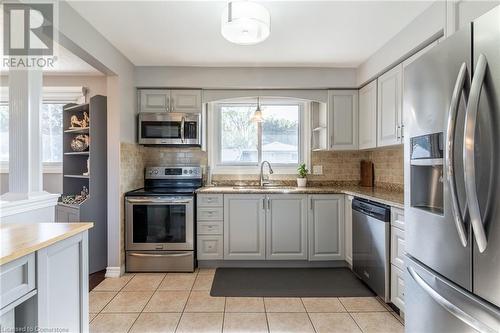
[[160, 219]]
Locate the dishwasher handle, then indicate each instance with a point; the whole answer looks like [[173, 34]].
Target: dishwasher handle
[[374, 209]]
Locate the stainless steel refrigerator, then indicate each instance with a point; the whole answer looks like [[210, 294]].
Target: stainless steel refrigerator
[[452, 184]]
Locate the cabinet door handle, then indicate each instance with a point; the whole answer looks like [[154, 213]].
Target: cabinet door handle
[[268, 203], [311, 204], [172, 104], [264, 203], [402, 131], [168, 104]]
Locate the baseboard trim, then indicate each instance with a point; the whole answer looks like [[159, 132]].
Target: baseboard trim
[[271, 263], [114, 272]]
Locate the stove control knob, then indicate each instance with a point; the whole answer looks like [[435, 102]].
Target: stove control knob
[[185, 172], [190, 172], [155, 172]]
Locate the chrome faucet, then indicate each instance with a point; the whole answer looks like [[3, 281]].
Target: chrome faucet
[[265, 181]]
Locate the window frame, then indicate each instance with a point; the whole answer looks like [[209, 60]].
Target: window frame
[[51, 95], [215, 141]]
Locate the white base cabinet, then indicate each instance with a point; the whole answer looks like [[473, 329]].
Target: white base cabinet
[[397, 258], [326, 227], [210, 227], [286, 227], [348, 228], [244, 227]]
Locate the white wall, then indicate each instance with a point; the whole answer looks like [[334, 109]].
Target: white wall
[[82, 39], [429, 24], [442, 18], [245, 78], [96, 84]]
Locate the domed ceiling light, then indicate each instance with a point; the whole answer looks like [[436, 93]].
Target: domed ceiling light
[[245, 22]]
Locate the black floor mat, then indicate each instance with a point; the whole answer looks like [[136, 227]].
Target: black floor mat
[[288, 282]]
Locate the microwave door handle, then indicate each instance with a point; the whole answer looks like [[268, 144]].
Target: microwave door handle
[[183, 122], [460, 85], [469, 156]]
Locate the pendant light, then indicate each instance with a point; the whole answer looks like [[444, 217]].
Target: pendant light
[[245, 22], [257, 115]]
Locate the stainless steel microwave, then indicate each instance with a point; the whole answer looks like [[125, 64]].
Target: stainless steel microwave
[[170, 128]]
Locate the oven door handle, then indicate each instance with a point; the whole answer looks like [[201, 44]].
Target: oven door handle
[[160, 201], [171, 254]]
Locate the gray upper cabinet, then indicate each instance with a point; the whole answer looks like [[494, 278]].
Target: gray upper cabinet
[[389, 115], [368, 116], [185, 100], [154, 100], [170, 100], [343, 112], [286, 227], [244, 227], [326, 227]]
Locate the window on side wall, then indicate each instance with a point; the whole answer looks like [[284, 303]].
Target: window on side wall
[[51, 135], [241, 145]]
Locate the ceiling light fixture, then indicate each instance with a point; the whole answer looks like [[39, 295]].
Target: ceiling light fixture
[[245, 22], [257, 115]]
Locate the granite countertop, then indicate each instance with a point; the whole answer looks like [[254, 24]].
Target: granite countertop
[[20, 239], [393, 198]]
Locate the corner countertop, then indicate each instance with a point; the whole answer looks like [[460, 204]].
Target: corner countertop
[[20, 239], [388, 197]]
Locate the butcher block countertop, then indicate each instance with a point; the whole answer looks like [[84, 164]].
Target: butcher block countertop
[[20, 239], [384, 196]]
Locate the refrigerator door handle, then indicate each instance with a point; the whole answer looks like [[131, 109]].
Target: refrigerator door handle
[[449, 306], [462, 84], [469, 158]]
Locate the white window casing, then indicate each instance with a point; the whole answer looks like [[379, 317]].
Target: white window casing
[[213, 140]]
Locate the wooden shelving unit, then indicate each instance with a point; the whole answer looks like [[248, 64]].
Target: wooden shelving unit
[[94, 209]]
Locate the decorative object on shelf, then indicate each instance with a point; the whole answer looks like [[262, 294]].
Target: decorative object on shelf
[[87, 173], [77, 198], [245, 22], [302, 174], [80, 142], [84, 98], [77, 123]]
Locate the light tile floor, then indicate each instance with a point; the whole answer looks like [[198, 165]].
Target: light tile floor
[[180, 302]]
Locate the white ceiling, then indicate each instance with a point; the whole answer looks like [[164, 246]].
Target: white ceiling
[[303, 33]]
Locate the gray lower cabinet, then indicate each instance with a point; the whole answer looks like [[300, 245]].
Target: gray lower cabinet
[[286, 227], [47, 290], [244, 227], [326, 227], [67, 213]]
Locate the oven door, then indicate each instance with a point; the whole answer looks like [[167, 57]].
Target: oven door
[[159, 223], [169, 128]]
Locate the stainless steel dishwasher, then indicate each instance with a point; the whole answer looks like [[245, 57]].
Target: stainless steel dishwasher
[[371, 245]]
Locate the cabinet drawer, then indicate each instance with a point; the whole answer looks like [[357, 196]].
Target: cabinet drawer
[[215, 213], [210, 200], [397, 288], [210, 247], [398, 218], [17, 278], [397, 247], [209, 228]]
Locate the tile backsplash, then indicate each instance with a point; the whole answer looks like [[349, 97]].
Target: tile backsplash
[[338, 166]]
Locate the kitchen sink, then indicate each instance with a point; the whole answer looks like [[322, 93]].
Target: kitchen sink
[[266, 187]]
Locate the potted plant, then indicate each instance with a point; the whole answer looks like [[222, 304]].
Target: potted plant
[[302, 174]]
